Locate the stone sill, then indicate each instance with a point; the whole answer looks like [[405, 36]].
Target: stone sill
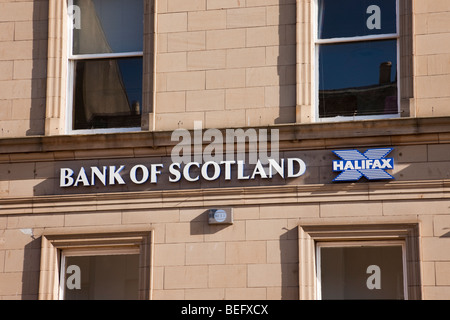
[[402, 131]]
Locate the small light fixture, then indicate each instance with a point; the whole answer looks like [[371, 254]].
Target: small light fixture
[[221, 216]]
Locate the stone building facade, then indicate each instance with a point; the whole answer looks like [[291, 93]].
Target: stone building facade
[[83, 182]]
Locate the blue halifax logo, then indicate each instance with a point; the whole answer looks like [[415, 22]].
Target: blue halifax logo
[[372, 165]]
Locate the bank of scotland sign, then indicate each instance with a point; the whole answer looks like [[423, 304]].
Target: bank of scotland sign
[[371, 164]]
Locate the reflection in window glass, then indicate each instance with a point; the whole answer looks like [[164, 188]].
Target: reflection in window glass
[[109, 26], [365, 272], [107, 65], [108, 93], [114, 277], [349, 18], [358, 78]]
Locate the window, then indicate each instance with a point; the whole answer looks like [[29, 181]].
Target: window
[[361, 270], [366, 261], [105, 65], [96, 266], [357, 50], [97, 275]]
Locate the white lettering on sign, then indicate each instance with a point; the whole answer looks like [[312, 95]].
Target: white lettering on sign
[[191, 172], [383, 164]]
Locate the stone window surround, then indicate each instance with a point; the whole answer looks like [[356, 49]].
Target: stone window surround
[[57, 64], [57, 68], [306, 53], [54, 241], [311, 232]]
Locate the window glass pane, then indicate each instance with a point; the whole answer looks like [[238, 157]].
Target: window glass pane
[[109, 26], [349, 18], [370, 272], [358, 78], [104, 277], [107, 93]]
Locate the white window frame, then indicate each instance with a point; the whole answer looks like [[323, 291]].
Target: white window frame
[[367, 243], [315, 66], [70, 83], [65, 253]]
